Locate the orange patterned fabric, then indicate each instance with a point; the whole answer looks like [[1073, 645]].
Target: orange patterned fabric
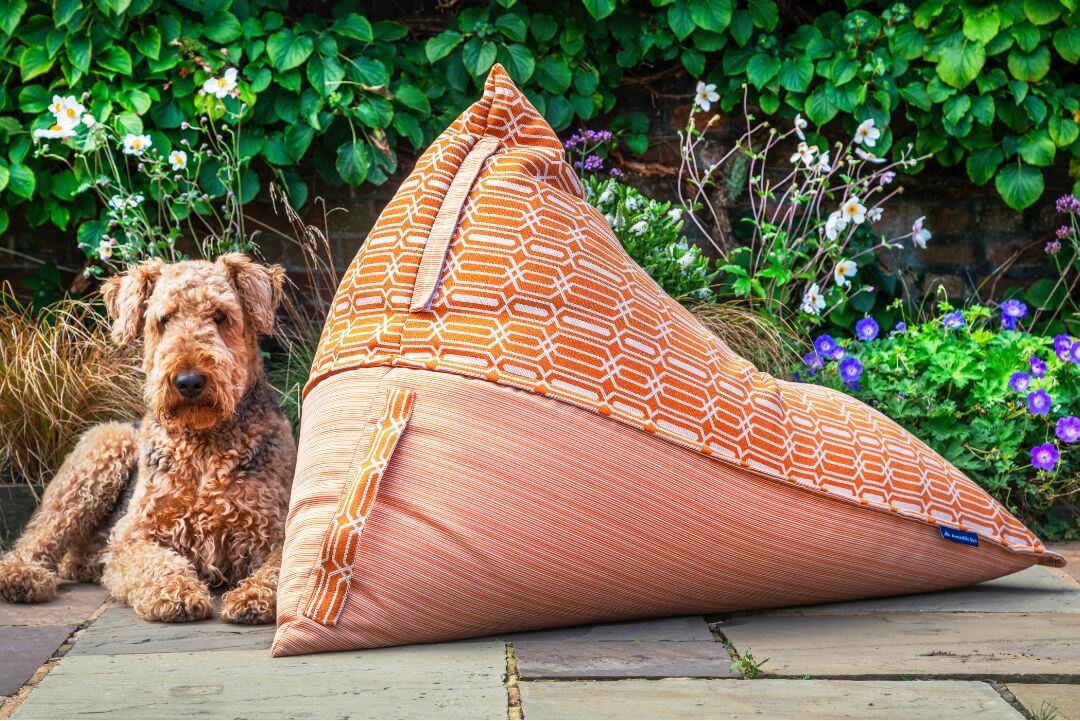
[[536, 293], [330, 584]]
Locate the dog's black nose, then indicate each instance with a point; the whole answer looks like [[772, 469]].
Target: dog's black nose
[[190, 384]]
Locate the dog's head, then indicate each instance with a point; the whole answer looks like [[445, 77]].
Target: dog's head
[[200, 322]]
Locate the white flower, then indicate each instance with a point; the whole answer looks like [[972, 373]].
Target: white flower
[[89, 120], [823, 165], [639, 227], [835, 224], [686, 260], [887, 177], [136, 144], [868, 157], [56, 107], [919, 234], [853, 210], [675, 214], [70, 113], [105, 248], [632, 204], [136, 200], [866, 134], [805, 153], [610, 219], [844, 270], [54, 131], [813, 302], [705, 96], [874, 214], [178, 159], [220, 87], [800, 126], [606, 197], [119, 202]]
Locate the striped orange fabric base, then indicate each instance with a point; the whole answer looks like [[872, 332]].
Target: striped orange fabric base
[[503, 510]]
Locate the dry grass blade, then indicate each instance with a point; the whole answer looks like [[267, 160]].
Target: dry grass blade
[[751, 335], [59, 374]]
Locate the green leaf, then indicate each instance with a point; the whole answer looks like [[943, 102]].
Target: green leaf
[[478, 56], [694, 61], [679, 19], [1067, 43], [1063, 131], [21, 181], [5, 176], [960, 61], [982, 164], [413, 97], [956, 108], [408, 126], [115, 58], [1042, 12], [982, 109], [34, 99], [1019, 185], [796, 73], [369, 71], [916, 95], [222, 27], [553, 75], [559, 112], [1030, 67], [34, 61], [353, 162], [819, 109], [543, 27], [636, 143], [11, 12], [714, 15], [78, 50], [1027, 36], [599, 9], [65, 10], [1036, 148], [354, 26], [325, 74], [761, 69], [288, 50], [147, 41], [518, 61], [441, 45], [764, 14], [513, 27], [297, 139], [982, 26]]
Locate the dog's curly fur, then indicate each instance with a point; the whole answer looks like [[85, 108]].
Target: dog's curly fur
[[212, 474]]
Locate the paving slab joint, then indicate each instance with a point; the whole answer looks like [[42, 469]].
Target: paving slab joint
[[514, 711], [12, 703]]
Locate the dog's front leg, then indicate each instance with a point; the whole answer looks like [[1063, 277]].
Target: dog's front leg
[[254, 600], [158, 583]]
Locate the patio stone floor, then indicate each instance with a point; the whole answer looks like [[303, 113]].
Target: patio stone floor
[[1006, 649]]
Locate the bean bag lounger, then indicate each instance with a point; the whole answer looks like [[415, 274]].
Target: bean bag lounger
[[509, 426]]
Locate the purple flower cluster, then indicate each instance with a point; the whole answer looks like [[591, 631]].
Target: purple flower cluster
[[1063, 232], [1068, 204], [1066, 349], [587, 139], [1045, 456], [1011, 311], [827, 349], [954, 320]]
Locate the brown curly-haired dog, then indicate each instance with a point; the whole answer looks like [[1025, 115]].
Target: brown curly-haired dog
[[194, 496]]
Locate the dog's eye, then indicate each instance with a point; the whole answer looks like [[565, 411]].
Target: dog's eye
[[164, 320], [218, 316]]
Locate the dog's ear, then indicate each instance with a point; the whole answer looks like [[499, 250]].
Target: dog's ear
[[260, 288], [125, 298]]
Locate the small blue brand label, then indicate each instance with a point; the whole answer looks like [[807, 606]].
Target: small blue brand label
[[966, 537]]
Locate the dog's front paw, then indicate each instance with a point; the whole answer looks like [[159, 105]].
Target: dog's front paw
[[251, 603], [176, 600], [22, 582]]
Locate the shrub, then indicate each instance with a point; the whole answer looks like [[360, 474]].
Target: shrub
[[60, 373], [1000, 404]]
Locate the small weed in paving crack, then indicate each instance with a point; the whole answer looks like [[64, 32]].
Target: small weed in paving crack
[[1047, 710], [748, 666]]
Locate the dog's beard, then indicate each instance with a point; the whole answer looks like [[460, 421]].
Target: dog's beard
[[214, 405]]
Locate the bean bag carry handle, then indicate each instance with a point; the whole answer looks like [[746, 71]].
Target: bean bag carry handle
[[332, 574]]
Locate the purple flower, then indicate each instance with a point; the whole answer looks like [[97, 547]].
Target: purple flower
[[1020, 382], [1063, 232], [900, 327], [867, 329], [1053, 247], [851, 371], [1068, 204], [1039, 402], [825, 345], [813, 362], [1044, 457], [953, 320], [1063, 346], [1068, 429], [617, 174], [1038, 366], [1011, 311], [1074, 352], [838, 353], [593, 162]]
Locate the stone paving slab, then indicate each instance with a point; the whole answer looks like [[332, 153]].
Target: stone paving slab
[[1033, 590], [762, 698], [1028, 647], [1042, 698], [1071, 552], [73, 604], [441, 681], [118, 630], [683, 628], [22, 651], [622, 659]]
